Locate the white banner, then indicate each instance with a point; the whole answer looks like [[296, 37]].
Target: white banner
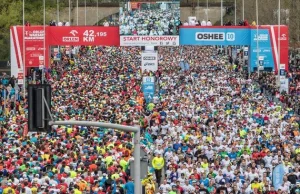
[[192, 20], [149, 40], [149, 61], [284, 85], [20, 78]]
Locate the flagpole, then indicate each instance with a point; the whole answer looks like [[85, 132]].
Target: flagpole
[[43, 76], [23, 65], [221, 12], [235, 12], [279, 22], [77, 12], [97, 12], [206, 10], [70, 12], [57, 11], [85, 12], [257, 45], [243, 10]]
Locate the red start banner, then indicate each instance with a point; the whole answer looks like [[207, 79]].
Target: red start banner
[[63, 35], [87, 35]]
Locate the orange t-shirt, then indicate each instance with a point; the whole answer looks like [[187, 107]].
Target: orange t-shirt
[[82, 185], [93, 167]]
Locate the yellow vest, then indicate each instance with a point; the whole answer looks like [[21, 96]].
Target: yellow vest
[[158, 163]]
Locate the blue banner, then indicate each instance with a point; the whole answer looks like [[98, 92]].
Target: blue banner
[[214, 36], [234, 36], [277, 176], [148, 88], [264, 49]]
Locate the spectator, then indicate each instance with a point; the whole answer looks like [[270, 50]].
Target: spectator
[[203, 23], [209, 23], [185, 23]]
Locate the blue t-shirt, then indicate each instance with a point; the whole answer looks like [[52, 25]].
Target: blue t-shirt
[[176, 146], [129, 187], [33, 139], [205, 182], [232, 155]]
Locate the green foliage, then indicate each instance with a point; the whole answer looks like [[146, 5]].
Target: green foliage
[[11, 13]]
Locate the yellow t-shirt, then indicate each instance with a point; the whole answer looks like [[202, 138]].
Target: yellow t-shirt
[[257, 186], [204, 165], [115, 176], [76, 191], [34, 190], [73, 174], [7, 189]]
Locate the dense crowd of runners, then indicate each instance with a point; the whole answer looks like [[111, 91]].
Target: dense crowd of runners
[[207, 130]]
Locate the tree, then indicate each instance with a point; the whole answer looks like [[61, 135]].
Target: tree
[[294, 22], [11, 13], [268, 14]]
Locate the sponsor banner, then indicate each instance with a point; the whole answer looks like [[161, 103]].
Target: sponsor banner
[[234, 53], [284, 85], [264, 49], [246, 52], [268, 38], [284, 44], [20, 78], [148, 88], [149, 61], [282, 70], [261, 61], [214, 36], [56, 54], [41, 62], [34, 46], [266, 53], [67, 49], [135, 5], [149, 41], [83, 35]]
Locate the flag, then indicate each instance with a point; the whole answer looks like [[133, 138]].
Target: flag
[[277, 176]]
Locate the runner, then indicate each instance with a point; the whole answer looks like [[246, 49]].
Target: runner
[[214, 129]]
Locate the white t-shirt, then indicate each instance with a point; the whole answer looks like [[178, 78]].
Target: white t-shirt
[[252, 176], [159, 141], [154, 130], [161, 151], [209, 153], [225, 163], [165, 188], [168, 155], [268, 161]]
